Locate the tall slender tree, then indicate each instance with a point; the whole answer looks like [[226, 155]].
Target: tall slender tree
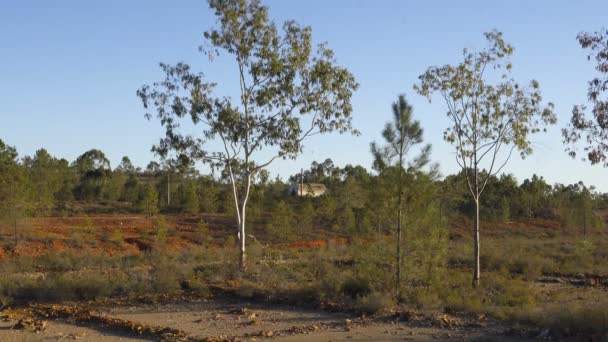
[[287, 93], [488, 119], [391, 160]]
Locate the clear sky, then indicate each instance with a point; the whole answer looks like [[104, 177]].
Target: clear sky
[[69, 69]]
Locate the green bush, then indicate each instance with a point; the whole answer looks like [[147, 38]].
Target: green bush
[[586, 319], [201, 232], [375, 302], [161, 230], [357, 286]]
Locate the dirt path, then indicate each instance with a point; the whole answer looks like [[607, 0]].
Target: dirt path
[[248, 321], [60, 331]]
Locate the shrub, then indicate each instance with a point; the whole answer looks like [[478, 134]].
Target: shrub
[[196, 285], [587, 319], [246, 290], [230, 242], [201, 232], [357, 286], [161, 229], [164, 278], [374, 303], [280, 224]]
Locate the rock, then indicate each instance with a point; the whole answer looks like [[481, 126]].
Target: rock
[[241, 311], [266, 333], [544, 335], [32, 324]]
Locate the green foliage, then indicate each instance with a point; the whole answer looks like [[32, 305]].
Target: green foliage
[[208, 192], [201, 232], [374, 303], [578, 319], [404, 184], [506, 210], [305, 217], [509, 112], [131, 189], [345, 220], [486, 117], [149, 202], [230, 241], [284, 82], [88, 225], [161, 229], [281, 222], [592, 131], [190, 202], [113, 236], [14, 201], [93, 171], [326, 210], [44, 180]]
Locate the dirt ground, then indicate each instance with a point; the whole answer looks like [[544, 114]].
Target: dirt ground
[[60, 331], [226, 319]]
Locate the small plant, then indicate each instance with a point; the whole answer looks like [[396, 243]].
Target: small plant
[[88, 226], [164, 279], [375, 302], [201, 232], [161, 229], [230, 241], [116, 237]]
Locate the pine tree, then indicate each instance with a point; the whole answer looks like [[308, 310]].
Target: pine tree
[[149, 202], [190, 203]]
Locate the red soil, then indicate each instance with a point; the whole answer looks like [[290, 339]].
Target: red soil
[[319, 243]]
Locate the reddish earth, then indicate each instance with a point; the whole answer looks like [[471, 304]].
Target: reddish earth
[[319, 243], [122, 235], [131, 234]]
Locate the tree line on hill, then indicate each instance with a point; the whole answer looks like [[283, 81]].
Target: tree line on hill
[[357, 200]]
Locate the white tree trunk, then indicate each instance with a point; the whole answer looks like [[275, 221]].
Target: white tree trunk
[[243, 254], [242, 225]]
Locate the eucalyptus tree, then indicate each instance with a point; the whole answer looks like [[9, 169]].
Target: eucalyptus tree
[[593, 131], [392, 160], [288, 91], [126, 165], [93, 169], [490, 115]]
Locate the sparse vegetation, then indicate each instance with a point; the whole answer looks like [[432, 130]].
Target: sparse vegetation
[[391, 240]]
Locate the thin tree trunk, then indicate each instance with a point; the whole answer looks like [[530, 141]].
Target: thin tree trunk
[[243, 254], [243, 259], [399, 223], [477, 272], [398, 280], [584, 221]]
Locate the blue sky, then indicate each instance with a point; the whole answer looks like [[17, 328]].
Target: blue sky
[[69, 69]]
